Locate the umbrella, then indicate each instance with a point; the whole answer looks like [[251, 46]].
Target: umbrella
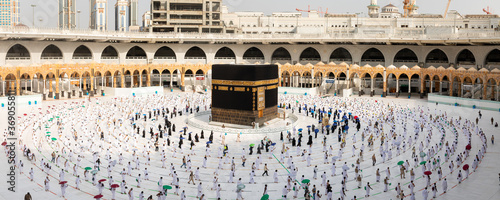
[[88, 168], [102, 180], [355, 117], [47, 131], [401, 162], [94, 171], [167, 187], [63, 182], [4, 143], [54, 139], [465, 167], [423, 162], [422, 154], [300, 129], [468, 147], [240, 186], [272, 144], [251, 145], [427, 173], [327, 126], [98, 196], [115, 186], [47, 135], [265, 197], [316, 130], [209, 142], [306, 181]]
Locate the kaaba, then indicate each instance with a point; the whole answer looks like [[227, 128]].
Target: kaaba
[[243, 94]]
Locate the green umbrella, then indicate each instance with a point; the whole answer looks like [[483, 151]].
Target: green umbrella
[[240, 186], [47, 132], [265, 197], [88, 168], [252, 145], [423, 162], [167, 187], [306, 181], [48, 135], [94, 171], [57, 117], [54, 139], [422, 154], [83, 106], [401, 162]]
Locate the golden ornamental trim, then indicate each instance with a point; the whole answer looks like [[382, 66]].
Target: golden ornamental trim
[[244, 83]]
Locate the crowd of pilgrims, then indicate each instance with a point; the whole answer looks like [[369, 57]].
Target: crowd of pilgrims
[[121, 145]]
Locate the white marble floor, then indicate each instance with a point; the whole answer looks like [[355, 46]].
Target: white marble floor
[[481, 184]]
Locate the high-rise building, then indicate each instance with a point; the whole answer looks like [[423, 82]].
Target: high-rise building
[[99, 15], [134, 10], [9, 13], [67, 11], [134, 15], [122, 13], [187, 16], [146, 20]]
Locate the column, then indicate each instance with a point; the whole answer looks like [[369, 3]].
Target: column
[[440, 87], [160, 84], [69, 87], [450, 83], [102, 84], [140, 80], [32, 85], [431, 85], [485, 90], [148, 78], [384, 93], [18, 86], [409, 86], [371, 87], [182, 81], [336, 85], [43, 91], [122, 81], [397, 87], [460, 88], [492, 92], [57, 87], [422, 85], [91, 93], [50, 88], [171, 84]]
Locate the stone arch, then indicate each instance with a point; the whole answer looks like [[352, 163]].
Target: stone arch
[[281, 55], [51, 52], [465, 57], [253, 53], [285, 79], [18, 52], [436, 56], [82, 52], [195, 53], [310, 54], [372, 56], [341, 55], [165, 53], [109, 52], [406, 56], [492, 58], [225, 53], [136, 52]]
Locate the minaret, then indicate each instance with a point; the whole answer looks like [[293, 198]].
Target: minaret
[[373, 9]]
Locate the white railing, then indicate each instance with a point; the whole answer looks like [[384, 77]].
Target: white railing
[[192, 123], [117, 35], [18, 58]]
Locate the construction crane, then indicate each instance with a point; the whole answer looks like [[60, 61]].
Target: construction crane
[[409, 7], [320, 10], [447, 7], [487, 10]]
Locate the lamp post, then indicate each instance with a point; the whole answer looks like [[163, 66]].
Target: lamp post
[[33, 6]]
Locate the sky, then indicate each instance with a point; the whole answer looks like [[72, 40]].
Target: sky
[[46, 10]]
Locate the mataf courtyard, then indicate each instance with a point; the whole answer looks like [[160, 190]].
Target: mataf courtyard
[[323, 147]]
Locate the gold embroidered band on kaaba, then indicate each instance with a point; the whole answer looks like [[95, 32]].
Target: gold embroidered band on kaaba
[[244, 83]]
